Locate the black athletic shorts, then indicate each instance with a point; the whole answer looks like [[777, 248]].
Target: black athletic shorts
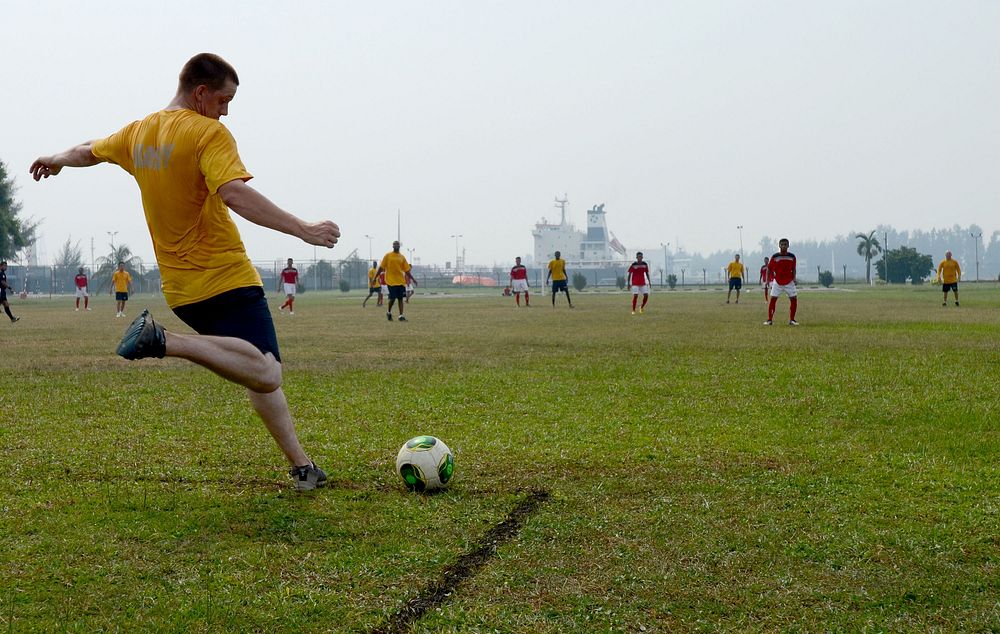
[[735, 282], [950, 287], [559, 285], [121, 297], [240, 313], [374, 289], [397, 292]]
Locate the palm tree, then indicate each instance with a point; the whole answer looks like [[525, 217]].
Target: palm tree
[[868, 248]]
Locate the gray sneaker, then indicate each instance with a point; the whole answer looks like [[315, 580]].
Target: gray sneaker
[[402, 318], [307, 477], [143, 338]]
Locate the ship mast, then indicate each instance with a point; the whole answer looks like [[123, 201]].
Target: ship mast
[[561, 204]]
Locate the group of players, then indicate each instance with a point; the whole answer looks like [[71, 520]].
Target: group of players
[[190, 176]]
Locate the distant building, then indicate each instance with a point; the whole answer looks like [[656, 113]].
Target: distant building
[[595, 248]]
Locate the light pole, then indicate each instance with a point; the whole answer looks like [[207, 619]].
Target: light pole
[[112, 234], [369, 245], [977, 236], [740, 229], [456, 236]]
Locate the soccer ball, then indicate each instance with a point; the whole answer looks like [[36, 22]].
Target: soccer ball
[[425, 463]]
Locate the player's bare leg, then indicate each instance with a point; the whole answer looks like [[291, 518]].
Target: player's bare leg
[[272, 407], [233, 359]]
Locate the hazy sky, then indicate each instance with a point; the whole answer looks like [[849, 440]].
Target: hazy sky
[[805, 119]]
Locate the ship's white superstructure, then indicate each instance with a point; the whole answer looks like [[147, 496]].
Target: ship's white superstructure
[[594, 247]]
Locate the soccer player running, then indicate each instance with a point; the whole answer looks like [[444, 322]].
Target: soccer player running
[[373, 284], [765, 278], [3, 292], [737, 273], [640, 281], [519, 282], [782, 272], [557, 271], [395, 267], [948, 273], [289, 282], [121, 282], [189, 171], [81, 290]]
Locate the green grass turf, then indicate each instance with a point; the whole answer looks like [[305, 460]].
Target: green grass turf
[[706, 473]]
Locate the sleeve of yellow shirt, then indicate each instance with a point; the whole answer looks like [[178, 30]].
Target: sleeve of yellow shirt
[[118, 148], [220, 161]]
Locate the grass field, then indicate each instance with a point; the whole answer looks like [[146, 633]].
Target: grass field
[[703, 472]]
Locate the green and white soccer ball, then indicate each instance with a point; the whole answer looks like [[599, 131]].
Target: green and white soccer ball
[[425, 463]]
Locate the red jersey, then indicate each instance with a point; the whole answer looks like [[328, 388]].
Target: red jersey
[[381, 278], [290, 275], [81, 281], [782, 268], [638, 273], [764, 277], [519, 272]]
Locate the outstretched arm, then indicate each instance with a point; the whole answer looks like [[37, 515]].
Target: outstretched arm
[[258, 209], [77, 156]]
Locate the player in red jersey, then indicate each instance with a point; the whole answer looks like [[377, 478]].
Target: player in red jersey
[[782, 273], [519, 282], [411, 286], [289, 280], [81, 290], [638, 275], [765, 279]]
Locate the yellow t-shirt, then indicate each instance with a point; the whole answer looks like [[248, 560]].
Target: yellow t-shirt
[[949, 271], [372, 283], [121, 279], [180, 159], [395, 266], [558, 269], [735, 269]]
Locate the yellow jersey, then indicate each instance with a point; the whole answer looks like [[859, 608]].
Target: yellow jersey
[[735, 269], [372, 282], [395, 266], [558, 269], [120, 280], [949, 271], [180, 159]]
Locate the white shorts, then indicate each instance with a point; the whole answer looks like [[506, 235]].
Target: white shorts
[[787, 289], [409, 288], [520, 286], [640, 290], [385, 289], [82, 292], [289, 289]]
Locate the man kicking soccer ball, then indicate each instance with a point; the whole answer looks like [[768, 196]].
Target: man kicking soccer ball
[[188, 171]]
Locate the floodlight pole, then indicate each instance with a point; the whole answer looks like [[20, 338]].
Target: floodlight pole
[[740, 229], [456, 236], [369, 245], [112, 234], [977, 236]]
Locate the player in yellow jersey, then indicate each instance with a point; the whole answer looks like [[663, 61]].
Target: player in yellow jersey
[[121, 283], [737, 275], [395, 267], [948, 274], [190, 175], [373, 284], [557, 271]]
